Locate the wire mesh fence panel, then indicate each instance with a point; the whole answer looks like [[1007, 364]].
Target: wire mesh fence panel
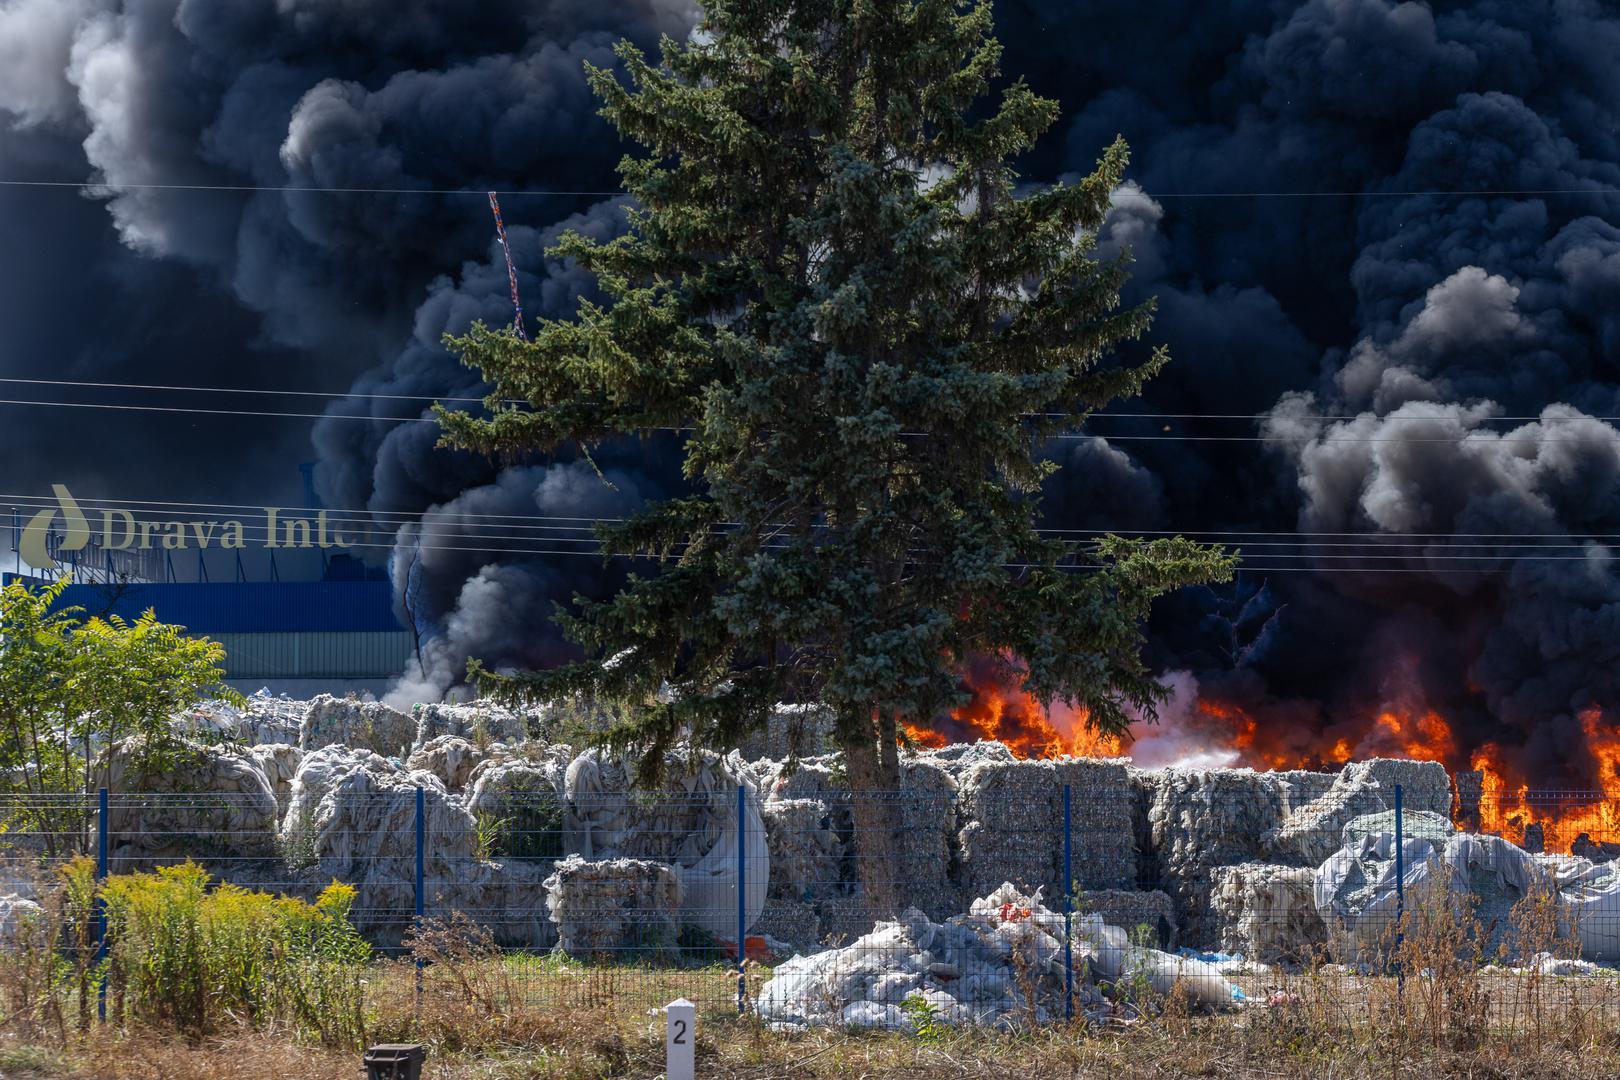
[[1007, 894]]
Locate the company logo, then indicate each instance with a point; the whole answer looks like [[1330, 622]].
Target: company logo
[[33, 546], [120, 531]]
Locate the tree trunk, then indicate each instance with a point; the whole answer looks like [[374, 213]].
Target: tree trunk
[[874, 784]]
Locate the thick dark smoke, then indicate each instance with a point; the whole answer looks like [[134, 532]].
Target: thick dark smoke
[[1389, 230]]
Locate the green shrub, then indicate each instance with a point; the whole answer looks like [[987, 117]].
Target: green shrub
[[187, 957]]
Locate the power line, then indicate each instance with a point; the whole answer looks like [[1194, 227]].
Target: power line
[[1060, 436], [104, 187], [375, 396], [405, 517], [249, 390]]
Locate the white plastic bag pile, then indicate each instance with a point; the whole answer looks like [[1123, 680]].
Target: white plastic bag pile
[[999, 965]]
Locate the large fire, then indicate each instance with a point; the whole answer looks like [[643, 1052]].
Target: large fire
[[1209, 731]]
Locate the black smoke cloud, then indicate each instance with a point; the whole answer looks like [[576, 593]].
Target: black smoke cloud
[[1389, 229]]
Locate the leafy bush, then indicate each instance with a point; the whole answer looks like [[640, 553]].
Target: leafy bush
[[187, 957]]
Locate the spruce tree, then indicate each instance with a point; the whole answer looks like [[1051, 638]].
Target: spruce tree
[[864, 330]]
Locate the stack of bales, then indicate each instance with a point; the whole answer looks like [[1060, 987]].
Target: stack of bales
[[1201, 819], [1014, 826], [1313, 832], [478, 722]]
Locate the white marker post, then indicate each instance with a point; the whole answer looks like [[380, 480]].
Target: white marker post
[[680, 1035]]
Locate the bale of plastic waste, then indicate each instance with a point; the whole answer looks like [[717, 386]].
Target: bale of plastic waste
[[479, 722], [1482, 877], [689, 820], [614, 909], [363, 725], [1201, 819], [1266, 912], [1312, 833], [190, 801]]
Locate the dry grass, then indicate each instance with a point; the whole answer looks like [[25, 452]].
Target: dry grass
[[573, 1046], [489, 1016]]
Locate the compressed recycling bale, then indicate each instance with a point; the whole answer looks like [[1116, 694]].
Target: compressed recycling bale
[[479, 722], [279, 762], [1266, 912], [1470, 785], [1100, 826], [1300, 787], [960, 758], [614, 908], [317, 773], [792, 921], [1130, 909], [807, 855], [229, 811], [1419, 824], [366, 725], [1311, 834], [792, 732], [1014, 825], [690, 821], [1201, 819], [271, 720], [521, 802], [927, 841], [449, 757]]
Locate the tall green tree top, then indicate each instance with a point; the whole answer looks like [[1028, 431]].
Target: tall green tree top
[[864, 330]]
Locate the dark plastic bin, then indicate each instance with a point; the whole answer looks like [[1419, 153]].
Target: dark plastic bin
[[395, 1061]]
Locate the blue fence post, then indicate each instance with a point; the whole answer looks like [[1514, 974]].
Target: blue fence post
[[1400, 889], [742, 898], [421, 876], [1068, 910], [101, 906]]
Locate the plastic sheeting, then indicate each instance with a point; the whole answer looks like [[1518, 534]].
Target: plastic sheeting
[[1116, 960], [1355, 889]]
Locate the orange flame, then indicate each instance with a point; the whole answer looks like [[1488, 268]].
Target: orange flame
[[1007, 714], [1507, 805]]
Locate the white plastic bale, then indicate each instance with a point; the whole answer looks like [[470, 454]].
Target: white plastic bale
[[807, 855], [1267, 912], [1484, 876], [451, 758], [690, 821], [475, 721], [1204, 818], [1312, 833], [208, 803], [1589, 905], [614, 908], [1013, 824], [367, 725]]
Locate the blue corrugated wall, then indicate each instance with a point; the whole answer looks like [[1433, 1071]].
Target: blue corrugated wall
[[253, 607]]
